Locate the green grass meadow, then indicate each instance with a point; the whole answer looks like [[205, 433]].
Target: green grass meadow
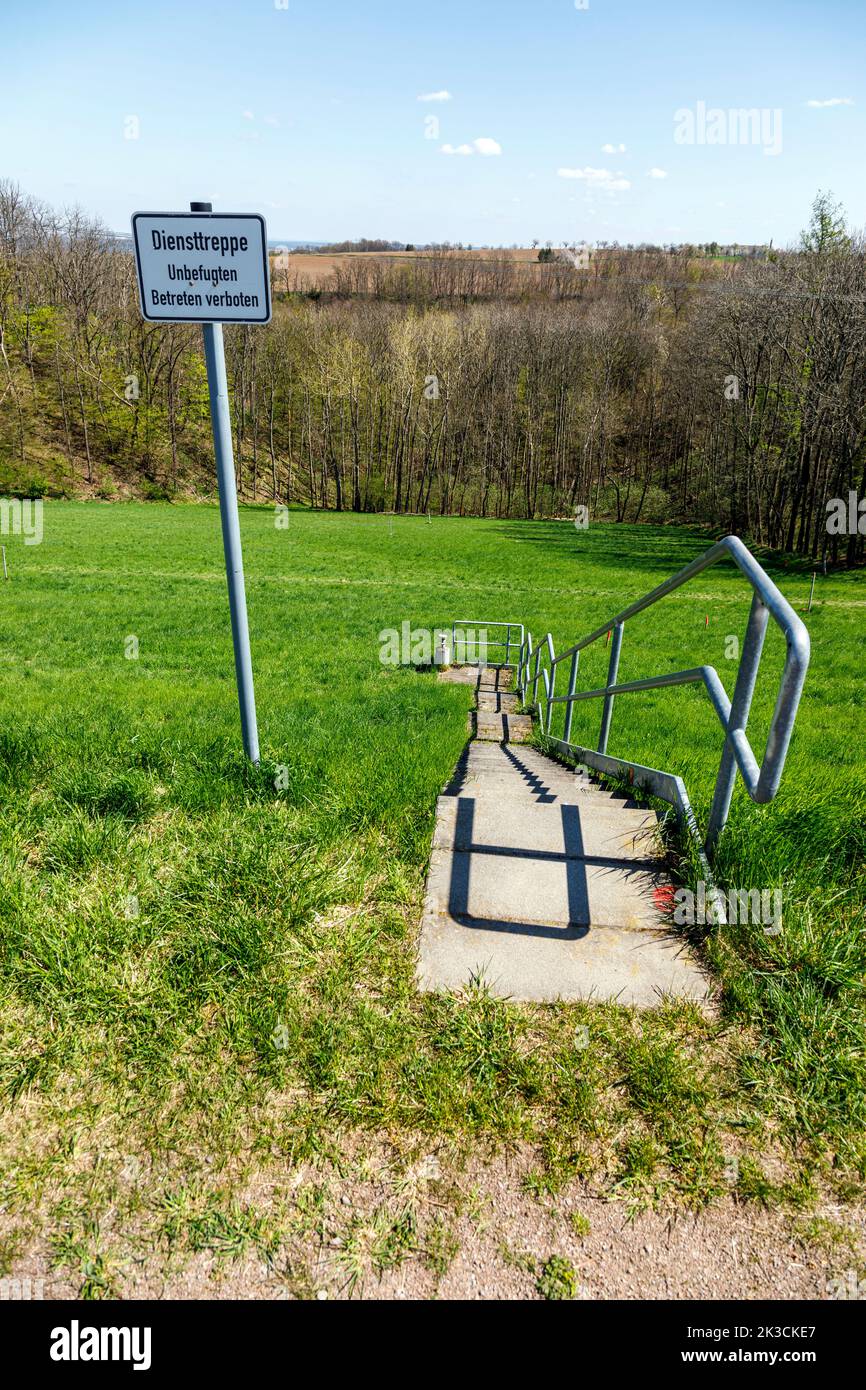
[[207, 970]]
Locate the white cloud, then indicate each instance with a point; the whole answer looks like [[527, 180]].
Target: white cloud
[[655, 173], [271, 120], [248, 115], [483, 146], [613, 149], [436, 96], [597, 178], [832, 101]]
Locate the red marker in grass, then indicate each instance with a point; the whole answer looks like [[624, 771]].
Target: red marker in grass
[[664, 897]]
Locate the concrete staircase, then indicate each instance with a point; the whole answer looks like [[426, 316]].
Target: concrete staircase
[[496, 714], [543, 881]]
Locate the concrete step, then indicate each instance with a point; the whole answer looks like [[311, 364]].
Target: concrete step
[[535, 756], [528, 757], [497, 701], [501, 677], [574, 786], [488, 754], [529, 763], [483, 677], [590, 829], [527, 792], [518, 772], [503, 728], [494, 884]]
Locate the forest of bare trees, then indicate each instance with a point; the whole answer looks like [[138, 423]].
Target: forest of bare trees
[[653, 386]]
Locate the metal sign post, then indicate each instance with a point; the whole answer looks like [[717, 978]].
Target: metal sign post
[[208, 268], [222, 443]]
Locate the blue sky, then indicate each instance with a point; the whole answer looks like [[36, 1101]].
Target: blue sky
[[310, 114]]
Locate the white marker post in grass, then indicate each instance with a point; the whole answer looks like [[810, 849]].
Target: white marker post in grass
[[212, 268]]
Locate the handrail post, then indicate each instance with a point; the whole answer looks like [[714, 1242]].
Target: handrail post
[[551, 691], [612, 671], [753, 643], [535, 678], [569, 708]]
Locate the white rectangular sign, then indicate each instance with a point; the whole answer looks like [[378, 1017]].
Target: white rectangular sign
[[202, 267]]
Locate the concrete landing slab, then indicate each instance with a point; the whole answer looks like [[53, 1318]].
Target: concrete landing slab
[[482, 678]]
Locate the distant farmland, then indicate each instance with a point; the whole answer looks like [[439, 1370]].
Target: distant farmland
[[302, 271]]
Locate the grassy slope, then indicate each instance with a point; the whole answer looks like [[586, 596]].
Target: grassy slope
[[259, 1002]]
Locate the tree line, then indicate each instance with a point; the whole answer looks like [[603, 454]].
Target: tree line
[[650, 386]]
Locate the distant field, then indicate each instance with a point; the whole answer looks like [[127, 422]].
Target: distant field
[[207, 972], [303, 271], [310, 270]]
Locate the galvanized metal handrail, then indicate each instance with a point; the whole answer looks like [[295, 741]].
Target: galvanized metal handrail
[[761, 780]]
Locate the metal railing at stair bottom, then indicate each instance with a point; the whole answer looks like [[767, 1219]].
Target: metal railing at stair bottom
[[538, 666], [479, 641]]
